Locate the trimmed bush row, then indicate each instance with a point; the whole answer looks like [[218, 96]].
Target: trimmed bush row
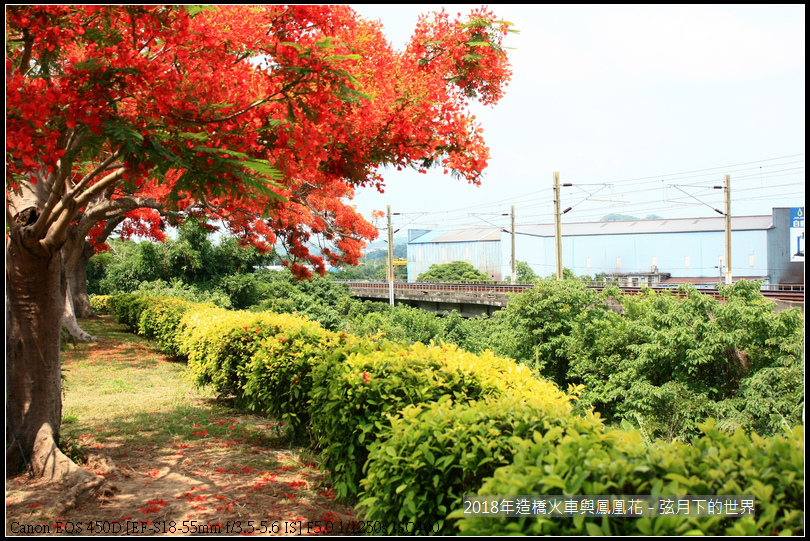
[[410, 429], [433, 454], [357, 392], [101, 304], [593, 462], [264, 360]]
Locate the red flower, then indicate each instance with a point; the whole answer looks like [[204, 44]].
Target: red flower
[[366, 377]]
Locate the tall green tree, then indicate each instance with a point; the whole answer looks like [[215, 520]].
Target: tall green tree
[[457, 271]]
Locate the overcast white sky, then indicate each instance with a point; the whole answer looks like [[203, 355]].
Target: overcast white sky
[[636, 97]]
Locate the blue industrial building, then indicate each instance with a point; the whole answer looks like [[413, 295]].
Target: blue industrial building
[[634, 252]]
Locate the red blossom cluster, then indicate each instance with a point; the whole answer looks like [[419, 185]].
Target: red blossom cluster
[[267, 117]]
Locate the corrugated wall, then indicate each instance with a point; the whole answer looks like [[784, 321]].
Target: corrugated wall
[[780, 250], [484, 256], [690, 255]]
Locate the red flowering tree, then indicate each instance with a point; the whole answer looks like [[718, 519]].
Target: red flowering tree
[[265, 117]]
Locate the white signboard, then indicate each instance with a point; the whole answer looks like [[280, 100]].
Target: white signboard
[[797, 234]]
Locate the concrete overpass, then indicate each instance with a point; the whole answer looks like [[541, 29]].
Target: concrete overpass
[[476, 299], [470, 300]]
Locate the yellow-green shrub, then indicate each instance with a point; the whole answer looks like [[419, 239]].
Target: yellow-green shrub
[[574, 462], [160, 321], [101, 304], [432, 455], [264, 360], [279, 375], [355, 391], [128, 308], [219, 345]]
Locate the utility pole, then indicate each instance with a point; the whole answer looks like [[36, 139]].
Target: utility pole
[[558, 224], [390, 259], [727, 193], [514, 271]]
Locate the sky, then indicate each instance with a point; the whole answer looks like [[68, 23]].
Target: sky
[[642, 108]]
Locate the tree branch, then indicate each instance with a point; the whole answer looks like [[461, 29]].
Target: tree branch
[[65, 211], [25, 58], [54, 198], [99, 169]]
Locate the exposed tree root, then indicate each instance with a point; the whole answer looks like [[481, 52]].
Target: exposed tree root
[[69, 321], [77, 333], [51, 464]]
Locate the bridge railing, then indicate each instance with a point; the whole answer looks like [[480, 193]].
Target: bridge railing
[[791, 291]]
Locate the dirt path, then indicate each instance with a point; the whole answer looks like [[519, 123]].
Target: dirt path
[[181, 463]]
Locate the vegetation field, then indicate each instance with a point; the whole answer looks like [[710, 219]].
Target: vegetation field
[[179, 460]]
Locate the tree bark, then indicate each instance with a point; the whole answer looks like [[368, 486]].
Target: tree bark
[[78, 283], [35, 305], [33, 325], [76, 252]]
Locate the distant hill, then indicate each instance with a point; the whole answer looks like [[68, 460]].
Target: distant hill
[[382, 243]]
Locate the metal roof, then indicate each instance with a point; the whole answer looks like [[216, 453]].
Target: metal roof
[[629, 227], [460, 235], [626, 227]]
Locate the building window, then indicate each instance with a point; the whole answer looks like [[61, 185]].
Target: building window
[[618, 262], [751, 260], [587, 262], [686, 262]]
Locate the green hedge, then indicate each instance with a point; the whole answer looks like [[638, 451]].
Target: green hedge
[[101, 304], [264, 360], [279, 376], [128, 308], [355, 392], [434, 454], [160, 321], [574, 462]]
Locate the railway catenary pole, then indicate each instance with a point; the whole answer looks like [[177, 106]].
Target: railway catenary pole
[[390, 259], [557, 223], [514, 271], [557, 226], [727, 193]]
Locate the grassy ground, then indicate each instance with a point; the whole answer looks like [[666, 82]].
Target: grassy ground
[[180, 461]]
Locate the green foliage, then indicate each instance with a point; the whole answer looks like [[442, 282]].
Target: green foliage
[[428, 424], [358, 388], [541, 322], [457, 271], [315, 299], [433, 454], [374, 264], [568, 274], [160, 321], [129, 307], [279, 376], [673, 362], [191, 260], [97, 269], [263, 360], [180, 290], [242, 290], [573, 461], [131, 264], [524, 273], [399, 324], [220, 344], [101, 304]]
